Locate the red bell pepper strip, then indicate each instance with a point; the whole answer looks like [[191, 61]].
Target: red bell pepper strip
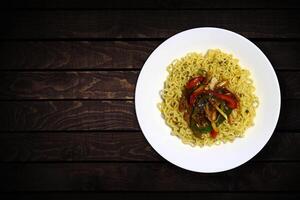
[[230, 100], [195, 94], [194, 82], [213, 133]]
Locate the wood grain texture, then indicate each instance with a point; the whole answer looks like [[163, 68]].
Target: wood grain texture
[[145, 23], [97, 115], [142, 4], [289, 84], [150, 195], [114, 146], [70, 146], [70, 85], [150, 177], [68, 115], [75, 54], [51, 55], [96, 85]]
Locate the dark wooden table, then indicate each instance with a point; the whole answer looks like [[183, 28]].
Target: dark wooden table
[[68, 73]]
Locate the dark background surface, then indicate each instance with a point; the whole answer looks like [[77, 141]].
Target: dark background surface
[[68, 73]]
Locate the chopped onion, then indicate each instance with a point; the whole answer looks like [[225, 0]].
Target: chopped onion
[[220, 111], [222, 84], [212, 83]]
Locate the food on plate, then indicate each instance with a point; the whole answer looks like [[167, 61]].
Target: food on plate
[[208, 99]]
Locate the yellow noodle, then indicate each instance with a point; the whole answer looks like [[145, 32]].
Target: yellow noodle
[[222, 66]]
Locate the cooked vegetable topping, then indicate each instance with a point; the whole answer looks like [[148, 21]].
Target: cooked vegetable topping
[[207, 103]]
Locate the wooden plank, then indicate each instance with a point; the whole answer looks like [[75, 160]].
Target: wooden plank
[[289, 115], [151, 176], [145, 23], [75, 55], [114, 146], [138, 4], [83, 146], [150, 195], [70, 85], [289, 84], [68, 115], [27, 55], [97, 115], [96, 85]]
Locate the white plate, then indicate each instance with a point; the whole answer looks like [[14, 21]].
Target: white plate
[[218, 157]]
